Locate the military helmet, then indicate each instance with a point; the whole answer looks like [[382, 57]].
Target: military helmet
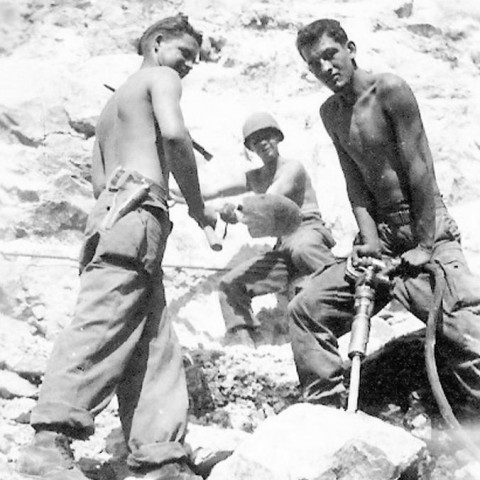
[[259, 121]]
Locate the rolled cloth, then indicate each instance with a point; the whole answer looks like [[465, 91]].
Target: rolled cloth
[[269, 215]]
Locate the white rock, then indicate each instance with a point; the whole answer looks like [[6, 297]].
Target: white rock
[[299, 444], [12, 385]]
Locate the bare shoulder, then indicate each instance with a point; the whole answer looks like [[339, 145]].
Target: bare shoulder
[[165, 73], [291, 168], [390, 85], [146, 78], [161, 76]]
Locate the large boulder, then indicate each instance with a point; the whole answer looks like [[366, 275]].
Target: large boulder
[[310, 442]]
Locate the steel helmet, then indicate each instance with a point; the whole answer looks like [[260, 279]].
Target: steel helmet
[[260, 121]]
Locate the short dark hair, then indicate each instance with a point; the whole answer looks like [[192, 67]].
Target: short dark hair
[[312, 32], [175, 26]]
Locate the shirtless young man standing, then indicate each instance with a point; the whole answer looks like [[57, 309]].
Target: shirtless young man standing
[[376, 128], [304, 251], [121, 340]]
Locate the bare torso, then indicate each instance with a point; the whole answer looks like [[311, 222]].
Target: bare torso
[[128, 134], [288, 177], [363, 130]]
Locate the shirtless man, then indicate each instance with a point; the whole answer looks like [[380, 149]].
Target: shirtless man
[[306, 250], [376, 128], [121, 340]]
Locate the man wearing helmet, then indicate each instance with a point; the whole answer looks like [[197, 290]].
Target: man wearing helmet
[[302, 252]]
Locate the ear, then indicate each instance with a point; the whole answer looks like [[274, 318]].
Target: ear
[[157, 41], [352, 48]]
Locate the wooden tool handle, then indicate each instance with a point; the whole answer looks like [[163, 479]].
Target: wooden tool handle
[[212, 238]]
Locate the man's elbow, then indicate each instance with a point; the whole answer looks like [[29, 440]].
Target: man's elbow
[[173, 136]]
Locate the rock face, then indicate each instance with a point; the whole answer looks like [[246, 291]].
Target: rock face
[[313, 442]]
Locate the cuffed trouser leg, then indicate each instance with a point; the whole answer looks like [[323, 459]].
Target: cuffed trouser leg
[[319, 314], [267, 273], [152, 394], [90, 356], [118, 320]]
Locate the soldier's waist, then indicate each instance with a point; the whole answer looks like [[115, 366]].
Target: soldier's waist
[[128, 179]]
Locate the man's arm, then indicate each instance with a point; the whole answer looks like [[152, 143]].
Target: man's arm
[[98, 170], [213, 188], [358, 194], [291, 182], [165, 91], [361, 203], [415, 160]]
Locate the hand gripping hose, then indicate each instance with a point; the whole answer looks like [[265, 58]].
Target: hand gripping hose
[[438, 277]]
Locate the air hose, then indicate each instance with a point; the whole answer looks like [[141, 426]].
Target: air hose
[[437, 274]]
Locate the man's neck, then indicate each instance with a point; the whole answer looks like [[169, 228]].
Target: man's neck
[[360, 82], [270, 166], [149, 62]]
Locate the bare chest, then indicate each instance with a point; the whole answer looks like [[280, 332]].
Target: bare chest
[[364, 130], [260, 180]]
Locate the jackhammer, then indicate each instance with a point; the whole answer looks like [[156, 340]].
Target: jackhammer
[[369, 275]]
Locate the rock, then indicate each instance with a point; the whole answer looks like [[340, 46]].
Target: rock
[[306, 442], [358, 460], [22, 124], [12, 385], [18, 409], [424, 29], [404, 10], [53, 216]]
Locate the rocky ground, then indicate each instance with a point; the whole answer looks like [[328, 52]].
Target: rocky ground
[[57, 55]]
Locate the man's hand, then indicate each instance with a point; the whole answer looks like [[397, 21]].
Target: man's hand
[[205, 217], [365, 251], [228, 213], [209, 217], [416, 257]]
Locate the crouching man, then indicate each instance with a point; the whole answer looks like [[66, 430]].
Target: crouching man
[[375, 125], [300, 253]]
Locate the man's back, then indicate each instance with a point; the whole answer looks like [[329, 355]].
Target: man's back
[[127, 131]]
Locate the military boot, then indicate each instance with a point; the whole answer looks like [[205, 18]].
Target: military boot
[[49, 456]]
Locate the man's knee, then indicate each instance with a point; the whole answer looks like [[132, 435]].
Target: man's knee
[[310, 258], [297, 308], [230, 286]]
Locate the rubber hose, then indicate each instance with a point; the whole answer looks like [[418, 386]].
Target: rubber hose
[[438, 277]]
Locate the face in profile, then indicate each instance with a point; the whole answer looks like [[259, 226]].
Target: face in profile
[[179, 53], [331, 62]]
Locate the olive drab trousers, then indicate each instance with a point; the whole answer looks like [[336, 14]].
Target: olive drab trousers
[[301, 253], [120, 340], [323, 311]]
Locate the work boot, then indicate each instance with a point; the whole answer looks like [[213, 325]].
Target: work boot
[[49, 456], [240, 336], [168, 471]]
